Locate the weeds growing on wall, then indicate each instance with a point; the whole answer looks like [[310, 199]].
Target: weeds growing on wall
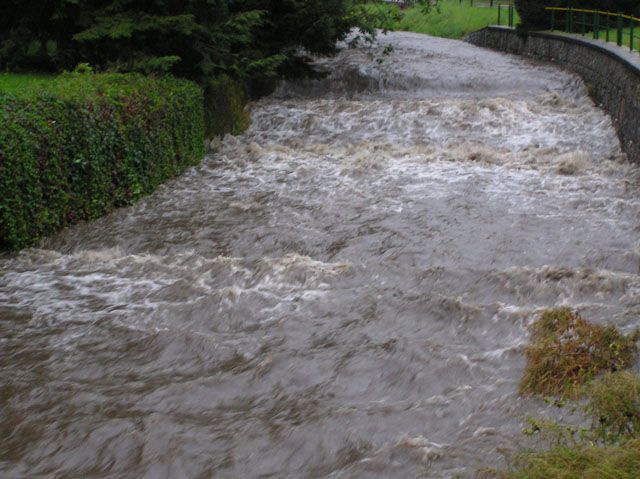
[[84, 144]]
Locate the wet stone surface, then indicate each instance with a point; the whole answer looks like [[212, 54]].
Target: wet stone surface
[[342, 292]]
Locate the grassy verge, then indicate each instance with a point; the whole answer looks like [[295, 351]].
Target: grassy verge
[[449, 20]]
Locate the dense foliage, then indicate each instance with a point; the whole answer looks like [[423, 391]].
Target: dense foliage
[[533, 15], [195, 39], [83, 144]]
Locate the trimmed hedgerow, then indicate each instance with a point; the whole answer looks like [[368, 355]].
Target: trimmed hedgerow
[[85, 144]]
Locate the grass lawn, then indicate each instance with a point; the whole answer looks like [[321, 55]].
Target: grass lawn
[[449, 20], [19, 84]]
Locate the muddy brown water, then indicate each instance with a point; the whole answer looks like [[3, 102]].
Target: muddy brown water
[[343, 291]]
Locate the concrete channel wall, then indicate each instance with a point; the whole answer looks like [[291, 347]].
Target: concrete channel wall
[[612, 75]]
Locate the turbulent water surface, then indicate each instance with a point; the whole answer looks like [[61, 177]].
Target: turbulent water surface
[[343, 291]]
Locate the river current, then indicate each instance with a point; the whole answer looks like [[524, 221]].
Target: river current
[[341, 292]]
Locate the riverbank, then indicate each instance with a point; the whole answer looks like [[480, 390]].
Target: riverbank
[[449, 19]]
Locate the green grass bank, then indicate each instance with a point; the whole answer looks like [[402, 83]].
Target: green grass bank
[[450, 19], [76, 146]]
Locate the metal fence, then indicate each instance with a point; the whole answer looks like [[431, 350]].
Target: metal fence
[[506, 17], [483, 3], [623, 29]]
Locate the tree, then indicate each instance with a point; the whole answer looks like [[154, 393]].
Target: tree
[[196, 39], [36, 35]]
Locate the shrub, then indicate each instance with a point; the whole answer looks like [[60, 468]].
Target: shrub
[[84, 144], [565, 352]]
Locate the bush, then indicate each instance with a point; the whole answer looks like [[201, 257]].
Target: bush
[[566, 352], [84, 144]]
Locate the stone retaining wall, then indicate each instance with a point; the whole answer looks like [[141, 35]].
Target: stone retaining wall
[[612, 75]]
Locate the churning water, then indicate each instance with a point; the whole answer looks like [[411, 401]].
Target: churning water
[[341, 292]]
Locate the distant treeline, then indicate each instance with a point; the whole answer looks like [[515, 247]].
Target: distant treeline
[[196, 39], [533, 14]]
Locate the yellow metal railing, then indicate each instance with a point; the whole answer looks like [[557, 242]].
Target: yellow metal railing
[[598, 24]]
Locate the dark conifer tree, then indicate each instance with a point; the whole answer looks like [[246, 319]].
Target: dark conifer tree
[[196, 39]]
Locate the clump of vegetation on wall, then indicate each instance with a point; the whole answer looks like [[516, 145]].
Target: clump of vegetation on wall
[[614, 406], [566, 352], [610, 446], [80, 145]]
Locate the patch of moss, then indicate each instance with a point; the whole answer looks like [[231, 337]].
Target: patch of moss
[[566, 352]]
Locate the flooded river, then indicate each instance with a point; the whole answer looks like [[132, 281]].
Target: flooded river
[[341, 292]]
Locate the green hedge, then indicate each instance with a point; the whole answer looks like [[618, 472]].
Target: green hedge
[[85, 144]]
